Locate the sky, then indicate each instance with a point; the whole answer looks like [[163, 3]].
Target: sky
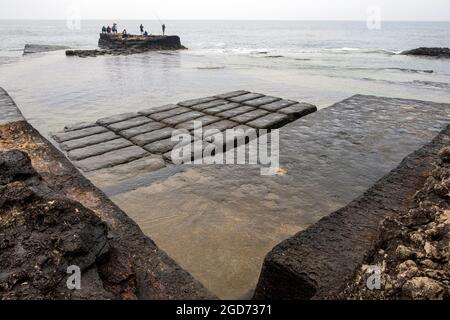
[[412, 10]]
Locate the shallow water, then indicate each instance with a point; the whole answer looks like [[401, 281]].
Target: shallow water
[[316, 62]]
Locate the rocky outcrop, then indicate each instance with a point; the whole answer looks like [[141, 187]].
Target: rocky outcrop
[[36, 48], [318, 263], [429, 52], [116, 41], [42, 234], [414, 247]]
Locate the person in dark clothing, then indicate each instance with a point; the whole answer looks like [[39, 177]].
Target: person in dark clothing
[[163, 29], [145, 34], [108, 30], [104, 29], [142, 28], [114, 28], [124, 33]]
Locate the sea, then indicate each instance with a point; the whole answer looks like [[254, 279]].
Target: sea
[[319, 62]]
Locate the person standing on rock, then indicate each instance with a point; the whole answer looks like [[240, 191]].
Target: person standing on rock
[[104, 29], [114, 28], [142, 28], [163, 29], [108, 30]]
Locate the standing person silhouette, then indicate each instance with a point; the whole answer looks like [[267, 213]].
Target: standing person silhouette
[[164, 29], [142, 28]]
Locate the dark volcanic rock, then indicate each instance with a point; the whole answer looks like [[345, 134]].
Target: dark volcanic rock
[[36, 48], [41, 234], [429, 52]]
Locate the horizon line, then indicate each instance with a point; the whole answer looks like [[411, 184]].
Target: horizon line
[[188, 19]]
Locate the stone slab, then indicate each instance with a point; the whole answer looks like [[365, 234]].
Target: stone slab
[[261, 101], [193, 102], [98, 149], [221, 108], [173, 121], [127, 124], [270, 121], [111, 159], [207, 105], [169, 113], [146, 138], [275, 106], [221, 126], [299, 109], [246, 97], [231, 94], [77, 134], [148, 127], [205, 120], [161, 146], [88, 141], [234, 112], [149, 111], [116, 118], [249, 116], [78, 126]]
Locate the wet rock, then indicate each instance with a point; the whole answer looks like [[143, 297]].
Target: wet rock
[[37, 48], [429, 52]]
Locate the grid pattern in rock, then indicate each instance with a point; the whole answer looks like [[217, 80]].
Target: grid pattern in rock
[[127, 137]]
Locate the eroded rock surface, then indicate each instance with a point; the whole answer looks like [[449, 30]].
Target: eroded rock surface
[[414, 247], [429, 52]]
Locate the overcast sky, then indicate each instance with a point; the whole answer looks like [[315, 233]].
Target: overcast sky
[[428, 10]]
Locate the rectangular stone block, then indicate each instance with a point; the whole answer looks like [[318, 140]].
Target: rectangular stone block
[[193, 102], [173, 121], [148, 127], [232, 94], [161, 146], [249, 116], [299, 109], [111, 159], [246, 97], [150, 111], [146, 138], [88, 141], [117, 118], [98, 149], [169, 113], [261, 101], [71, 135], [205, 120], [221, 108], [277, 105], [79, 126], [270, 121], [214, 103], [123, 125], [221, 126], [234, 112]]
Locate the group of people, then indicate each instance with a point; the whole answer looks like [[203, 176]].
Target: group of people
[[144, 32]]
